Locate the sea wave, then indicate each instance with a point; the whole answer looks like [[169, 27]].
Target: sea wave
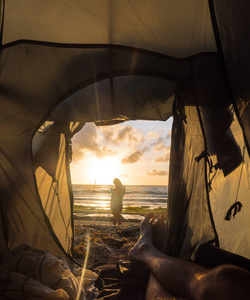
[[99, 196]]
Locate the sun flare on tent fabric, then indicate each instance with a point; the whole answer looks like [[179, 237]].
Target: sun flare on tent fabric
[[103, 171]]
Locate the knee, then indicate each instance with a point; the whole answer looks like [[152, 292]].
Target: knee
[[228, 273], [224, 282]]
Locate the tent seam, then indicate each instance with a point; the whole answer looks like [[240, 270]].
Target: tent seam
[[2, 23], [104, 46]]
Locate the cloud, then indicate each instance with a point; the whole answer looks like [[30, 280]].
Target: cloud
[[157, 173], [163, 158], [168, 136], [118, 134], [152, 135], [107, 151], [132, 158], [125, 133], [111, 140], [145, 149], [103, 141], [88, 140], [158, 145], [129, 134], [157, 142], [108, 133]]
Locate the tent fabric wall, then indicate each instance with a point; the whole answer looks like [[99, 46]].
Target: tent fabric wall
[[176, 28], [225, 191], [208, 143], [133, 58], [53, 182], [232, 29], [188, 218], [54, 194], [120, 98]]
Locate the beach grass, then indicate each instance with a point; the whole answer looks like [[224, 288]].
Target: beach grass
[[138, 210]]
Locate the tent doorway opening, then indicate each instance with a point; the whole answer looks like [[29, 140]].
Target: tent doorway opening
[[136, 152]]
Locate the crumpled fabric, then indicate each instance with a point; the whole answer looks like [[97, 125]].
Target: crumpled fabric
[[37, 274]]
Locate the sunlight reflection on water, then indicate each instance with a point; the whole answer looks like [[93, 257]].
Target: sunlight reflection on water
[[125, 216]]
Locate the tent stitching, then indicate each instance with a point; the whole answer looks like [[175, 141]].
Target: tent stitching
[[2, 8], [107, 46]]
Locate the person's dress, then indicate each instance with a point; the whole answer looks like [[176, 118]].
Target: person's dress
[[117, 200]]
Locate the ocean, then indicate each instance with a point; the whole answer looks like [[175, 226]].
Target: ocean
[[98, 196]]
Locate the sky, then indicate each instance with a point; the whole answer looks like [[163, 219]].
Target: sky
[[137, 152]]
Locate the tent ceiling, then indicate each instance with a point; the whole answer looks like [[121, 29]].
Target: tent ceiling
[[136, 50], [134, 97], [177, 28]]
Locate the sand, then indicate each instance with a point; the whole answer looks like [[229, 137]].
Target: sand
[[108, 243]]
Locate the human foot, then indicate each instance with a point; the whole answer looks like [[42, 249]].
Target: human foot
[[145, 240], [159, 230]]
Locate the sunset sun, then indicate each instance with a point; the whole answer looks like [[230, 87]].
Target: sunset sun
[[103, 171], [136, 152]]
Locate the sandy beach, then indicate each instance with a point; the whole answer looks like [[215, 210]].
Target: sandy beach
[[108, 243]]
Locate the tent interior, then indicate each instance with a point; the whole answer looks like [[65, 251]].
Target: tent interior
[[66, 63]]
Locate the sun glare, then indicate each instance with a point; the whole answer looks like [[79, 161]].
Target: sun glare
[[103, 171]]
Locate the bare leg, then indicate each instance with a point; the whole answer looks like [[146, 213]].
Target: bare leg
[[184, 279], [114, 218], [159, 230], [119, 218], [160, 265], [157, 291]]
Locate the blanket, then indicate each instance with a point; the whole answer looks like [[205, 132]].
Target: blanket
[[28, 273]]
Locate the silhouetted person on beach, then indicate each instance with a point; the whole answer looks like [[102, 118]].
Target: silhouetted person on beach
[[173, 278], [116, 202]]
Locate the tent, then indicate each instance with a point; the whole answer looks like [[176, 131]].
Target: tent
[[66, 63]]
